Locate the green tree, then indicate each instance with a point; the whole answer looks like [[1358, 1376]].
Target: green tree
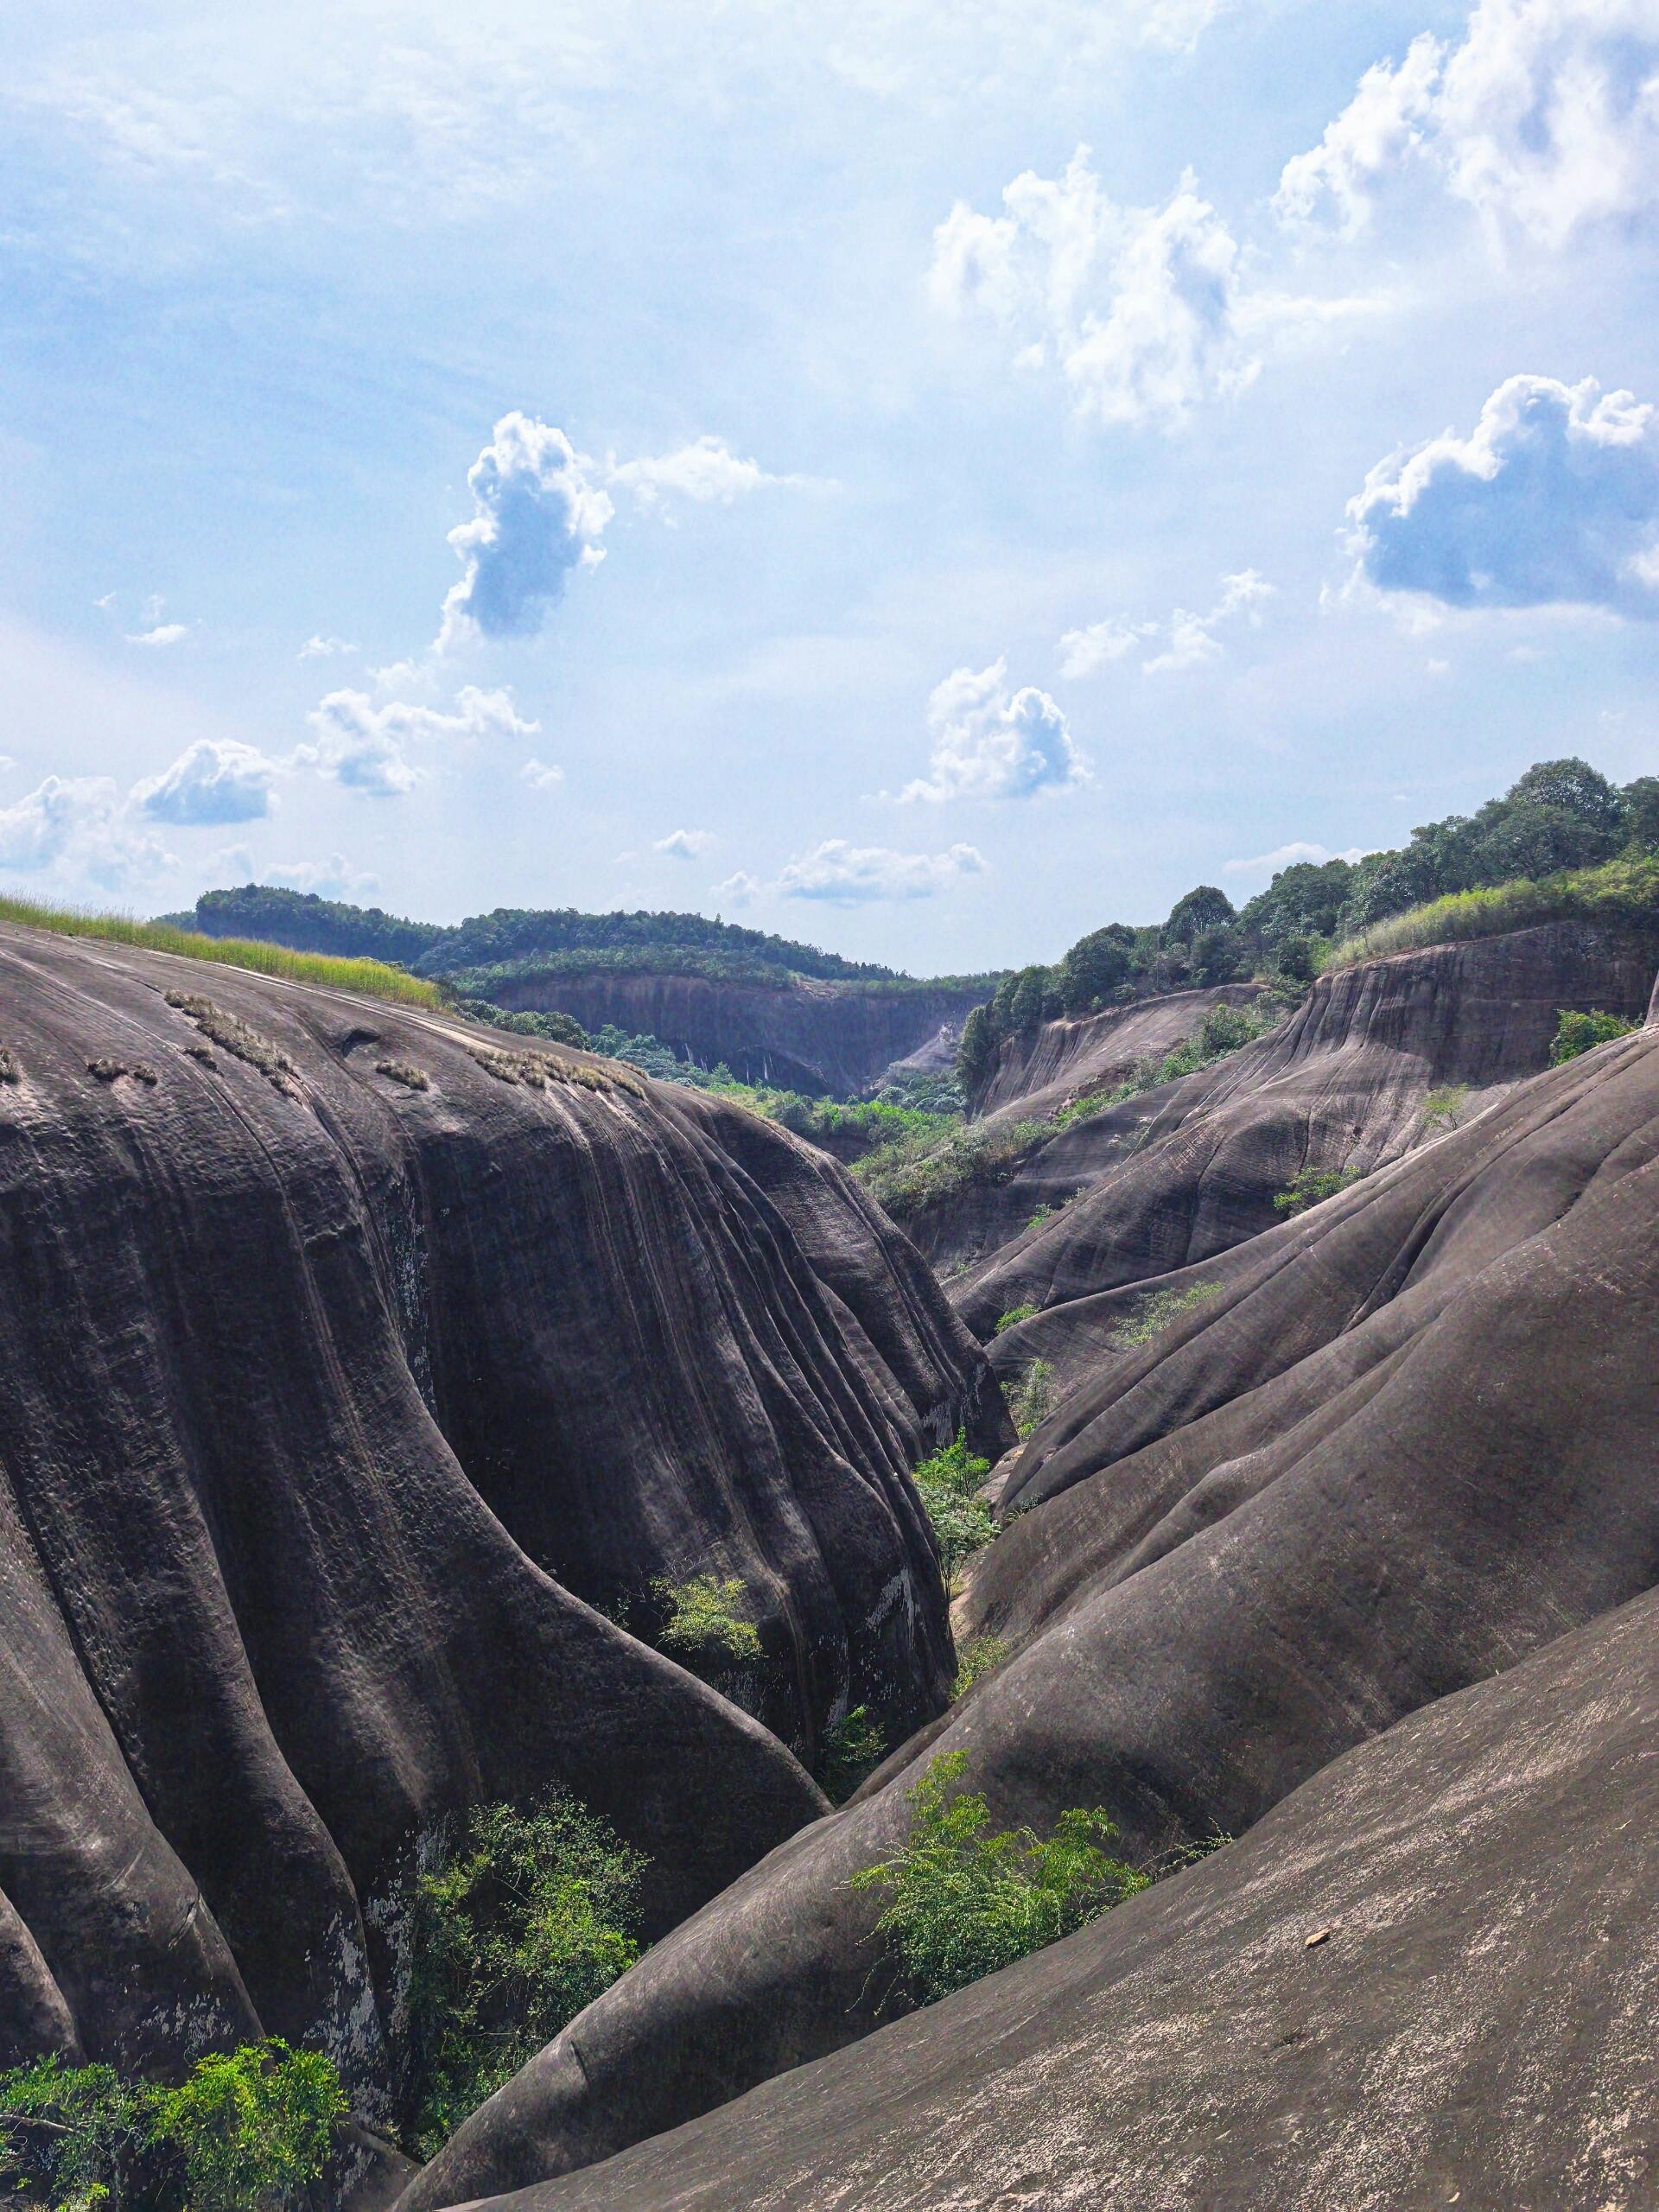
[[948, 1482], [1203, 908], [1641, 814], [852, 1749], [1581, 1032], [1094, 968], [975, 1051], [964, 1899], [1029, 999], [252, 2128], [527, 1915]]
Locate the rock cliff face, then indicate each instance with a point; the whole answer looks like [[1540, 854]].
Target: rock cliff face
[[1041, 1069], [1173, 1176], [343, 1354], [1406, 1440], [1470, 2029], [820, 1038]]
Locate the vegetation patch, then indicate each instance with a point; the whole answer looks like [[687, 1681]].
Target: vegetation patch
[[234, 1034], [401, 1071], [920, 1169], [948, 1482], [963, 1899], [1158, 1310], [247, 2130], [371, 978], [851, 1749], [1030, 1399], [1443, 1107], [704, 1627], [1582, 1033], [536, 1069], [526, 1917], [109, 1070], [1309, 1186], [1012, 1318], [979, 1657], [1621, 891]]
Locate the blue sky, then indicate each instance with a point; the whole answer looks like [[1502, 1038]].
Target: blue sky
[[926, 479]]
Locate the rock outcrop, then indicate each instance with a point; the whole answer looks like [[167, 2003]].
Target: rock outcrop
[[1426, 1979], [800, 1032], [345, 1351], [1038, 1070], [1375, 1061], [1405, 1440]]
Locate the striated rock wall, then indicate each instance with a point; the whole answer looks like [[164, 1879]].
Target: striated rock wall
[[819, 1038], [343, 1354]]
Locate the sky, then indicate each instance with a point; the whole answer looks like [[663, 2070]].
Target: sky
[[927, 478]]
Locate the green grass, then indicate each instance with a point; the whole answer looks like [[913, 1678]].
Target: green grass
[[1159, 1311], [1619, 890], [371, 978], [963, 1899]]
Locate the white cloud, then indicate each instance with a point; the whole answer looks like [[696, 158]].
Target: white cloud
[[846, 874], [537, 516], [541, 775], [164, 634], [321, 648], [989, 743], [1291, 855], [1086, 651], [232, 863], [707, 470], [1545, 117], [214, 780], [335, 878], [1192, 637], [685, 844], [362, 745], [81, 827], [1553, 500], [739, 890]]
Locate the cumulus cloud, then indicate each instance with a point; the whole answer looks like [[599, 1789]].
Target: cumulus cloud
[[1192, 637], [1546, 117], [1291, 855], [684, 844], [990, 743], [81, 827], [321, 648], [541, 775], [849, 875], [707, 470], [164, 634], [212, 781], [335, 878], [1553, 500], [739, 890], [1086, 651], [537, 515], [364, 747], [1143, 311]]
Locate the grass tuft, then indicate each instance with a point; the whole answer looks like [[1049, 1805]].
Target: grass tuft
[[1620, 891]]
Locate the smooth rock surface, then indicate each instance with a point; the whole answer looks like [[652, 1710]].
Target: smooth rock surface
[[336, 1370]]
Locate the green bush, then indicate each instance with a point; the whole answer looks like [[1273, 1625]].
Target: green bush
[[252, 2126], [1225, 1028], [1012, 1318], [976, 1658], [963, 1899], [1043, 1213], [1310, 1186], [1158, 1310], [703, 1627], [247, 2130], [948, 1483], [1442, 1108], [1581, 1032], [852, 1749], [527, 1916], [923, 1167], [1030, 1398]]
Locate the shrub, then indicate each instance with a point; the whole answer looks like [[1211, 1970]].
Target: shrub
[[251, 2128], [963, 1899], [1043, 1213], [852, 1748], [976, 1658], [1158, 1310], [527, 1916], [1581, 1032], [703, 1627], [1225, 1028], [1030, 1398], [248, 2131], [926, 1165], [1309, 1185], [1012, 1318], [1442, 1108], [948, 1483]]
